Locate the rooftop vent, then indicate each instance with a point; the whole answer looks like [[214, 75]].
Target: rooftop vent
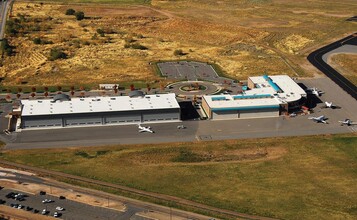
[[136, 93], [61, 97]]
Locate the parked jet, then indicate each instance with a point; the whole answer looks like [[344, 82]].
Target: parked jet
[[320, 119], [314, 91], [330, 105], [145, 129], [347, 122]]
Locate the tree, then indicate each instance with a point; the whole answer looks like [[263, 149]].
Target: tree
[[33, 89], [72, 88], [8, 98], [132, 87], [19, 90], [70, 11], [45, 88], [59, 88], [79, 15]]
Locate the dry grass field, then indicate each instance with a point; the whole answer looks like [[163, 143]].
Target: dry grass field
[[244, 37], [285, 178], [347, 65]]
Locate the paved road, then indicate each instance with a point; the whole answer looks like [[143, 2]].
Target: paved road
[[74, 209], [200, 130], [4, 10], [319, 57]]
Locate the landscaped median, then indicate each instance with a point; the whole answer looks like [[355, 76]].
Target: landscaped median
[[290, 178]]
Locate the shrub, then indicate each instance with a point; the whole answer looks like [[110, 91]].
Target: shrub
[[37, 40], [70, 11], [57, 53], [79, 15], [178, 52], [129, 40], [138, 47], [100, 32], [6, 47]]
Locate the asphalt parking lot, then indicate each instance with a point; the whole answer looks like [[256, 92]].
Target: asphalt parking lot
[[191, 71], [72, 209]]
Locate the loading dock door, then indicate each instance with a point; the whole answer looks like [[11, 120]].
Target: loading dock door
[[161, 116], [83, 121], [119, 119], [259, 113], [224, 115], [41, 123]]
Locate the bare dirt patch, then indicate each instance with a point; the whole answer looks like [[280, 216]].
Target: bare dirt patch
[[222, 32]]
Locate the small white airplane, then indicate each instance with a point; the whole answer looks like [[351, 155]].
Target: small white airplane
[[320, 119], [330, 105], [347, 122], [314, 91], [294, 114], [145, 129]]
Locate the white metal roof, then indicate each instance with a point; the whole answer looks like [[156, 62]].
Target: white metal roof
[[230, 102], [98, 104], [264, 95], [291, 91]]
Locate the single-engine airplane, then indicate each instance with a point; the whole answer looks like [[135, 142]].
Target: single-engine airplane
[[347, 122], [330, 105], [320, 119]]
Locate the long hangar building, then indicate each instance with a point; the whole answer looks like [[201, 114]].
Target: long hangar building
[[266, 96], [62, 111]]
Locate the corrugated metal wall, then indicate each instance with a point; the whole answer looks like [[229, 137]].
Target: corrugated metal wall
[[133, 117]]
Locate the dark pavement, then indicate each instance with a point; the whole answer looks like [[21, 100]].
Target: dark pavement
[[316, 58]]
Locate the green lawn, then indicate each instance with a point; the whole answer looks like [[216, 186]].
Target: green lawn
[[289, 178]]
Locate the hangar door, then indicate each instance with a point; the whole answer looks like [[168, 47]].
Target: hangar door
[[125, 118], [259, 113], [41, 122], [82, 120], [224, 114], [164, 116]]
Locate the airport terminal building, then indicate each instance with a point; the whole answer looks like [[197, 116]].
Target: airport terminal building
[[62, 111], [266, 96]]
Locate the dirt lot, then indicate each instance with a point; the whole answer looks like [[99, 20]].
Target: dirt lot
[[243, 37]]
